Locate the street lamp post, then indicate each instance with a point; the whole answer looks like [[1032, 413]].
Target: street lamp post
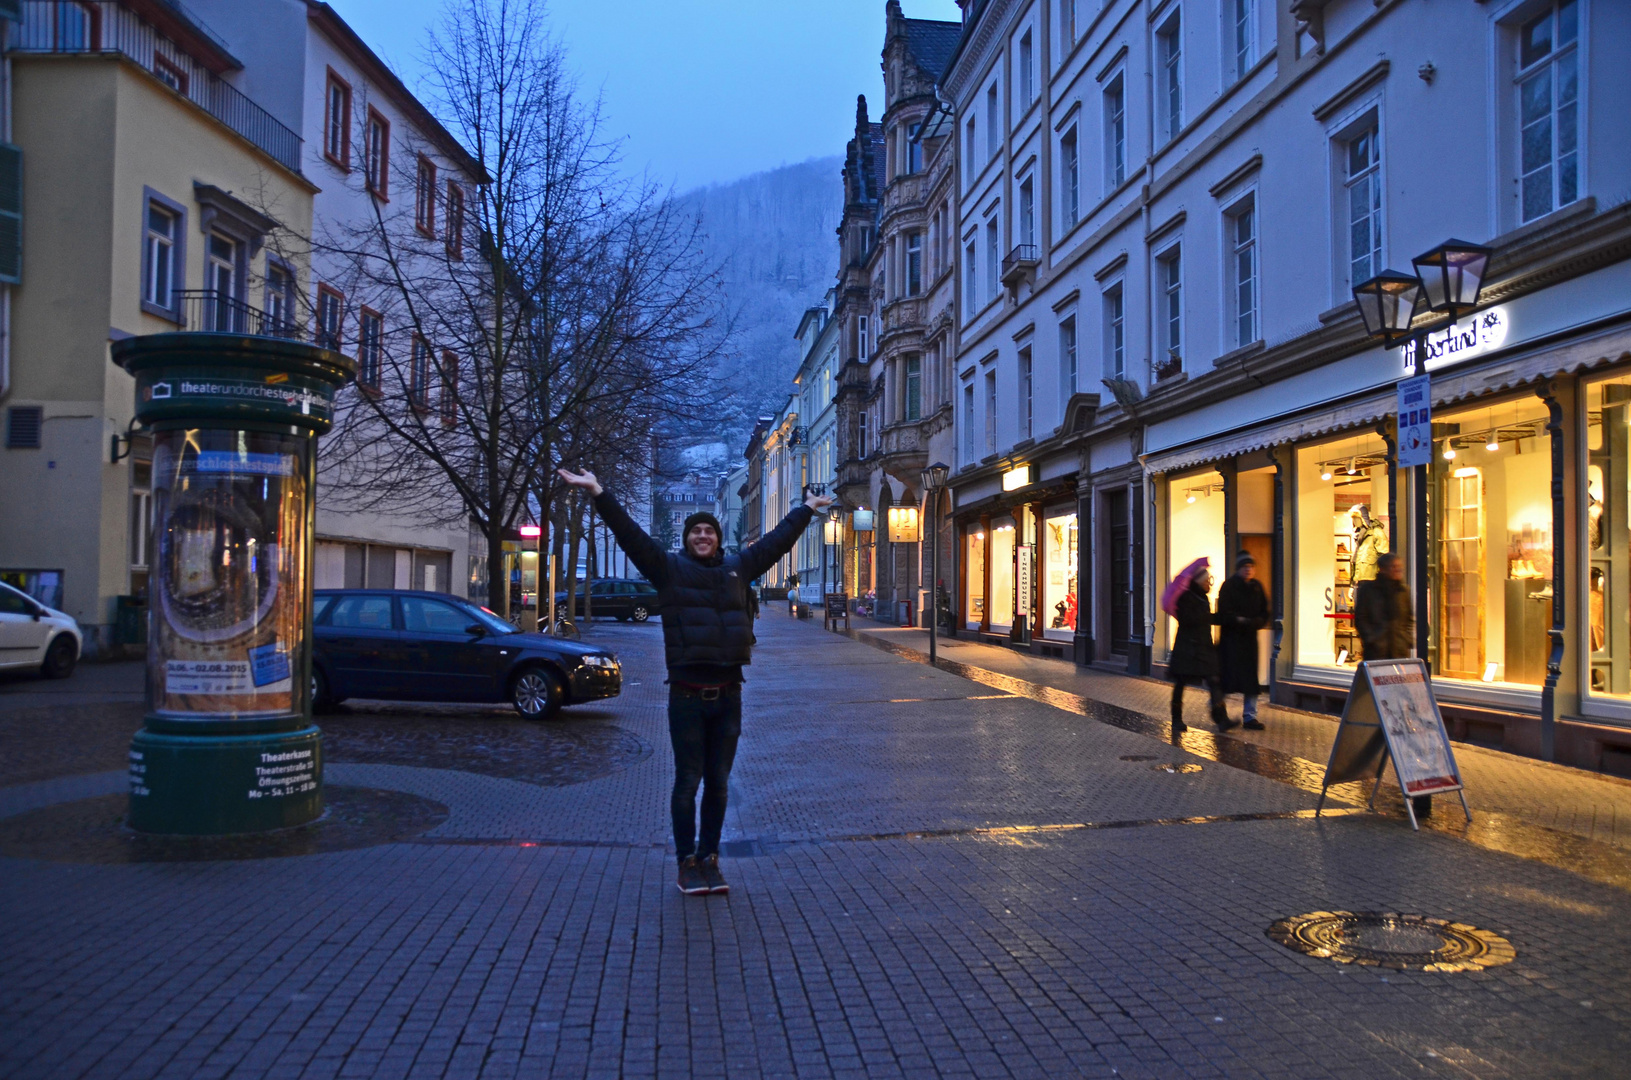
[[1448, 279], [934, 481]]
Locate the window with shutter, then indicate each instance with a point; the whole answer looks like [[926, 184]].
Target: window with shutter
[[11, 214]]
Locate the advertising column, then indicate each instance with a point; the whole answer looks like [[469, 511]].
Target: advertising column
[[227, 745]]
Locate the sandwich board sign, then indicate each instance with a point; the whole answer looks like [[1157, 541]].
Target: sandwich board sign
[[1391, 715], [837, 608]]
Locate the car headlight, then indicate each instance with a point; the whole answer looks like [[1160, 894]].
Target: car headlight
[[608, 662]]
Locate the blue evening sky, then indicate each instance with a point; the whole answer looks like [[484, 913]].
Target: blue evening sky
[[702, 90]]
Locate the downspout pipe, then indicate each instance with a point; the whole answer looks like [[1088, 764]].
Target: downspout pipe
[[1548, 392]]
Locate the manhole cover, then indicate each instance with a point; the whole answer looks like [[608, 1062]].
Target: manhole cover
[[1391, 940], [1176, 767], [1138, 757]]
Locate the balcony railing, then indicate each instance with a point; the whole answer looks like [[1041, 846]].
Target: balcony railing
[[100, 26], [1019, 264], [209, 311]]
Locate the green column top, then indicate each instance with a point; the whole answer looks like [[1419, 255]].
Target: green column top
[[201, 377]]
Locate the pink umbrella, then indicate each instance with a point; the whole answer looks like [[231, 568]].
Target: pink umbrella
[[1176, 587]]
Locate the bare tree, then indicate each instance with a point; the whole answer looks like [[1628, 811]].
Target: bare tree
[[558, 313]]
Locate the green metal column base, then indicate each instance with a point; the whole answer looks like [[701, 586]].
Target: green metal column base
[[209, 785]]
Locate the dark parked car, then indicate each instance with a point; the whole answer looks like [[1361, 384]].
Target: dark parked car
[[425, 646], [626, 598]]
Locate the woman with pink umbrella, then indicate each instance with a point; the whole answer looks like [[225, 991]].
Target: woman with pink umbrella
[[1194, 659]]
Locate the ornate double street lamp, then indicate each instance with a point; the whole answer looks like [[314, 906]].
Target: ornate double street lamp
[[934, 482], [228, 745]]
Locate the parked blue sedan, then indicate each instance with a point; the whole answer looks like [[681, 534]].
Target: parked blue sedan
[[424, 646]]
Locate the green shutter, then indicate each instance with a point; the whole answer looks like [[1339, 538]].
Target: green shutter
[[11, 9], [11, 212]]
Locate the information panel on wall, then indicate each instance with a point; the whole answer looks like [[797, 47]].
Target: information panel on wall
[[1415, 422], [1391, 714]]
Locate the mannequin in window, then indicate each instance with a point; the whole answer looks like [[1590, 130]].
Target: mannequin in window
[[1370, 543]]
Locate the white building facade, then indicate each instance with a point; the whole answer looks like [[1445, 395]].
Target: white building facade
[[1165, 207]]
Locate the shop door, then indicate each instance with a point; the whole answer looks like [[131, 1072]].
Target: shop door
[[1461, 560], [1121, 570]]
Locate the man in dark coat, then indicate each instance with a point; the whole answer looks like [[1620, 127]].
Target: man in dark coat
[[1384, 616], [1194, 658], [707, 640], [1243, 610]]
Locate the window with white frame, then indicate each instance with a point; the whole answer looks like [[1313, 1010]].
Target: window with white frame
[[914, 148], [993, 257], [1170, 312], [337, 121], [970, 455], [862, 341], [914, 387], [1067, 356], [419, 374], [1169, 53], [914, 263], [1243, 34], [1027, 212], [1070, 180], [159, 263], [1362, 205], [424, 197], [1240, 224], [993, 123], [330, 305], [991, 412], [279, 299], [1115, 132], [1548, 83], [1027, 71], [1115, 333], [971, 277], [377, 155], [1027, 394]]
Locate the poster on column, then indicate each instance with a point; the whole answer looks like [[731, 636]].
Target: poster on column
[[1391, 714], [1415, 422]]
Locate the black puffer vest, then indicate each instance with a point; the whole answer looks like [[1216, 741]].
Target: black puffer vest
[[706, 616]]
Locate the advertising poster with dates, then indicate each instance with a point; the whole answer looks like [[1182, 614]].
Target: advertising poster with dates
[[229, 510]]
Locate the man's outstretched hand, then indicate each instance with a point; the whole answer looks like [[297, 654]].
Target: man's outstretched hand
[[584, 479], [818, 503]]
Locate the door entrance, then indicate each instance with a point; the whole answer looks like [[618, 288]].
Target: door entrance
[[1121, 570]]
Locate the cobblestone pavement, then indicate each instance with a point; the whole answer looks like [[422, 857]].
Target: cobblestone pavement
[[1558, 797], [932, 876]]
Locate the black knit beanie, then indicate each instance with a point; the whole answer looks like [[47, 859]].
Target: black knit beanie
[[701, 517]]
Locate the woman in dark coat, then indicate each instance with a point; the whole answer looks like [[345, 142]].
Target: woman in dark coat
[[1194, 658], [1243, 610]]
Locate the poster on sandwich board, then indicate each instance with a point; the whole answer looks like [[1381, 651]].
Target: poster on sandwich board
[[1391, 715]]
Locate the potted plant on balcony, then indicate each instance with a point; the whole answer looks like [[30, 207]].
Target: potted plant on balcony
[[1171, 366]]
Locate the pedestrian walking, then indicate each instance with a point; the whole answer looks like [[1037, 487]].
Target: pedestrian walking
[[1243, 610], [793, 593], [1194, 659], [707, 641], [1385, 621], [1384, 615]]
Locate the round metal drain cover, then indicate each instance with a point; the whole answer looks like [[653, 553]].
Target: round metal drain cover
[[1388, 939], [1138, 757], [1176, 767]]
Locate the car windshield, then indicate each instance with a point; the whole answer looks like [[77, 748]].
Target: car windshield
[[489, 620]]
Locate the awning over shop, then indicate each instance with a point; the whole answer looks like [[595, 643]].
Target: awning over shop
[[1368, 411]]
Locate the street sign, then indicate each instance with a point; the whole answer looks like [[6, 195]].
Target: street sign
[[837, 608], [1415, 422], [1391, 714]]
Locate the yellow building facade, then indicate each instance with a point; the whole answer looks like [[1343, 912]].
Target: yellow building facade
[[154, 200]]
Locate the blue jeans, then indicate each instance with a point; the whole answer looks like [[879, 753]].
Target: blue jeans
[[704, 735]]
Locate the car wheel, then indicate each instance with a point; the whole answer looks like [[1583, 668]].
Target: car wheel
[[536, 694], [320, 700], [60, 658], [640, 613]]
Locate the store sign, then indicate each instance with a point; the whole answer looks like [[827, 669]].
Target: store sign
[[1415, 422], [862, 520], [1472, 337], [903, 525], [182, 392], [1391, 714], [1014, 479], [1025, 556]]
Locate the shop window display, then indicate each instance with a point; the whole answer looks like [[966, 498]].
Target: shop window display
[[1342, 533], [1195, 528], [1608, 535], [974, 546], [1059, 574], [1490, 544]]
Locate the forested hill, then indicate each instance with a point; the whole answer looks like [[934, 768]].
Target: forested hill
[[773, 232]]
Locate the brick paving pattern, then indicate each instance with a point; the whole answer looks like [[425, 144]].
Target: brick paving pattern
[[898, 910]]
